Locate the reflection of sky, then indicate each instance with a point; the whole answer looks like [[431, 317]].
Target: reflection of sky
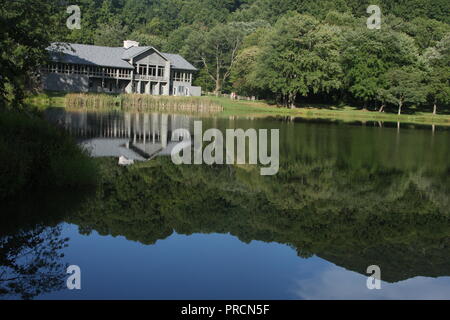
[[338, 283], [218, 266]]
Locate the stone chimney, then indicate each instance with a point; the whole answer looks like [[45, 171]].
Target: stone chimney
[[129, 43]]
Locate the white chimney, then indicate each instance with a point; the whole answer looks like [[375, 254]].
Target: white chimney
[[129, 43]]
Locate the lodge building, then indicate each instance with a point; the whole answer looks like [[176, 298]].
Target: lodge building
[[127, 69]]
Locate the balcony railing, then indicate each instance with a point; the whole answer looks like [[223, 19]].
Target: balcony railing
[[146, 77]]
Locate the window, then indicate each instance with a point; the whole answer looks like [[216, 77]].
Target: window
[[161, 71], [152, 71], [178, 76]]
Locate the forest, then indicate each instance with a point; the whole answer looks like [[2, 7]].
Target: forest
[[288, 52]]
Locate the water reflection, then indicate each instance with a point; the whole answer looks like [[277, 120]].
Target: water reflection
[[32, 243], [138, 136], [30, 262], [345, 195]]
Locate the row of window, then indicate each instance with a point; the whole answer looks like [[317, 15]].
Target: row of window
[[182, 76], [152, 71], [87, 70]]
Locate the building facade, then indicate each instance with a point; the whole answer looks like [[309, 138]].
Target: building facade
[[127, 69]]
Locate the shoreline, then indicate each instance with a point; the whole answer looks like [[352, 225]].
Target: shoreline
[[263, 109]]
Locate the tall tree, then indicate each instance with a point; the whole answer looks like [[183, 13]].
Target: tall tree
[[404, 85], [216, 50], [438, 76], [25, 32], [300, 57], [368, 54]]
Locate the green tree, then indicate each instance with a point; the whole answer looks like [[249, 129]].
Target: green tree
[[438, 76], [26, 28], [427, 32], [368, 54], [242, 75], [300, 57], [111, 34], [216, 51], [148, 40], [405, 85]]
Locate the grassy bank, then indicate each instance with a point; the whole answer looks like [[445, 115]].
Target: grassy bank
[[228, 107], [37, 156], [348, 113], [140, 102]]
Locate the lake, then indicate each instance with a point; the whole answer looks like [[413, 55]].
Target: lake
[[347, 196]]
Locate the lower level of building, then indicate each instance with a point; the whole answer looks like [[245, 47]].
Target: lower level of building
[[84, 83]]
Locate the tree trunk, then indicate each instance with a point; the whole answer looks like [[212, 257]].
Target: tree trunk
[[218, 88], [400, 104], [381, 108], [435, 108], [365, 105], [292, 97]]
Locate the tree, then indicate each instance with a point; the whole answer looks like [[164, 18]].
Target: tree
[[25, 32], [438, 87], [368, 54], [438, 76], [300, 57], [111, 34], [242, 75], [148, 40], [404, 85], [216, 51], [427, 32]]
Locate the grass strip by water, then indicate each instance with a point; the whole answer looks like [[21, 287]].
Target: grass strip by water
[[346, 114], [140, 102]]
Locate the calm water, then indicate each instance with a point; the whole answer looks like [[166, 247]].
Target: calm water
[[347, 196]]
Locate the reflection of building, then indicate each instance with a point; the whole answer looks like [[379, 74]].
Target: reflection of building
[[137, 136], [127, 69]]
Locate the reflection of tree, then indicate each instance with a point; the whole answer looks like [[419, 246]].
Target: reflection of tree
[[352, 216], [30, 262]]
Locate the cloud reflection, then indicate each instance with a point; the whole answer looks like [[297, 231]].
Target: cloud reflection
[[335, 283]]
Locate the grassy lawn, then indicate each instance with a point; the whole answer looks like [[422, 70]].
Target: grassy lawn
[[347, 113], [261, 109]]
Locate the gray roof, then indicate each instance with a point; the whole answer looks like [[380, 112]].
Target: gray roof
[[115, 57], [88, 55], [133, 52], [178, 62]]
